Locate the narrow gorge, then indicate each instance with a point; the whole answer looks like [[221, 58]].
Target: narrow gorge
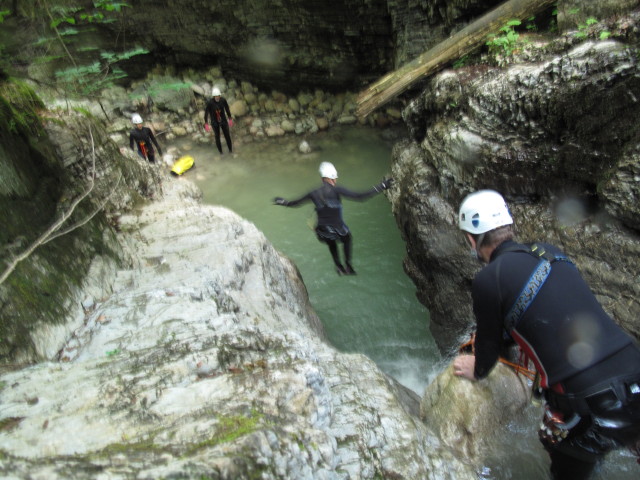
[[149, 335]]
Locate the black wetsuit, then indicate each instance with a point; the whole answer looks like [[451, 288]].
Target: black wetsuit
[[143, 138], [578, 350], [331, 227], [216, 113]]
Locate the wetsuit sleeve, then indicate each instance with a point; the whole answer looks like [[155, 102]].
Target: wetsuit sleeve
[[226, 108], [152, 137], [131, 141], [299, 201], [357, 195], [486, 307], [206, 113]]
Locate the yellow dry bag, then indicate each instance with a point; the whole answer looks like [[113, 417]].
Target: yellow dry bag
[[183, 164]]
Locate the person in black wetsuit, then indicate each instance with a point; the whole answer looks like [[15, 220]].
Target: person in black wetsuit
[[589, 368], [216, 112], [331, 228], [143, 138]]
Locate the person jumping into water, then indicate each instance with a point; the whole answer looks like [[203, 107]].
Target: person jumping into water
[[330, 226]]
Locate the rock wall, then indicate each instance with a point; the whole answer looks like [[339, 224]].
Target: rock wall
[[205, 360], [51, 162], [289, 45], [556, 132]]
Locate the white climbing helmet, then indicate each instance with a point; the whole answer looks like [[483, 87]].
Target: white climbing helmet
[[327, 170], [136, 119], [215, 92], [483, 211]]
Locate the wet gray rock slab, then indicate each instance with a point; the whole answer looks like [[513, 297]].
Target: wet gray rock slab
[[207, 360]]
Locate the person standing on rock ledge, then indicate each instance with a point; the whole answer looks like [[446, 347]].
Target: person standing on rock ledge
[[588, 367], [216, 111], [330, 228], [143, 137]]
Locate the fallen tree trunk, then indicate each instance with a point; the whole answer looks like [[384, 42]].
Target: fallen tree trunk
[[463, 42]]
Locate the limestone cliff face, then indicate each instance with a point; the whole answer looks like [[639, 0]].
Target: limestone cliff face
[[205, 360], [557, 133], [48, 162]]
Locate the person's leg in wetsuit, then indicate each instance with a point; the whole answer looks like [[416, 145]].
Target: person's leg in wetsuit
[[333, 248], [227, 137], [564, 466], [346, 242], [216, 131]]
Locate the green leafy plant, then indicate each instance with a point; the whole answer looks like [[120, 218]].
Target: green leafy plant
[[97, 69], [531, 24], [604, 35], [553, 24], [85, 80], [505, 42], [583, 28], [461, 62]]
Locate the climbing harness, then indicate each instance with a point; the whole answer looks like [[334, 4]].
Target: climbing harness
[[554, 428], [143, 148], [520, 306]]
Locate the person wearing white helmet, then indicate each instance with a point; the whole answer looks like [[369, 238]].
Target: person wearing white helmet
[[330, 227], [588, 368], [216, 112], [144, 139]]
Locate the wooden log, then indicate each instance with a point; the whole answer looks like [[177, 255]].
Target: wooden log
[[454, 47]]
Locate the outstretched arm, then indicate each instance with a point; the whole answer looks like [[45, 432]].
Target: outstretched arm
[[293, 203], [384, 185]]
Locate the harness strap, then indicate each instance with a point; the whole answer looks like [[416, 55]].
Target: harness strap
[[611, 394], [528, 293], [534, 284]]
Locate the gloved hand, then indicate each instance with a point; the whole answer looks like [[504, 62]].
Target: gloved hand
[[207, 128], [385, 184], [231, 122], [280, 201]]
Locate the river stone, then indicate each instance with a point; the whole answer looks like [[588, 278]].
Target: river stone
[[274, 131], [288, 126], [294, 105], [179, 130], [466, 414], [304, 99], [322, 123], [304, 147], [238, 108], [347, 119], [171, 94]]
